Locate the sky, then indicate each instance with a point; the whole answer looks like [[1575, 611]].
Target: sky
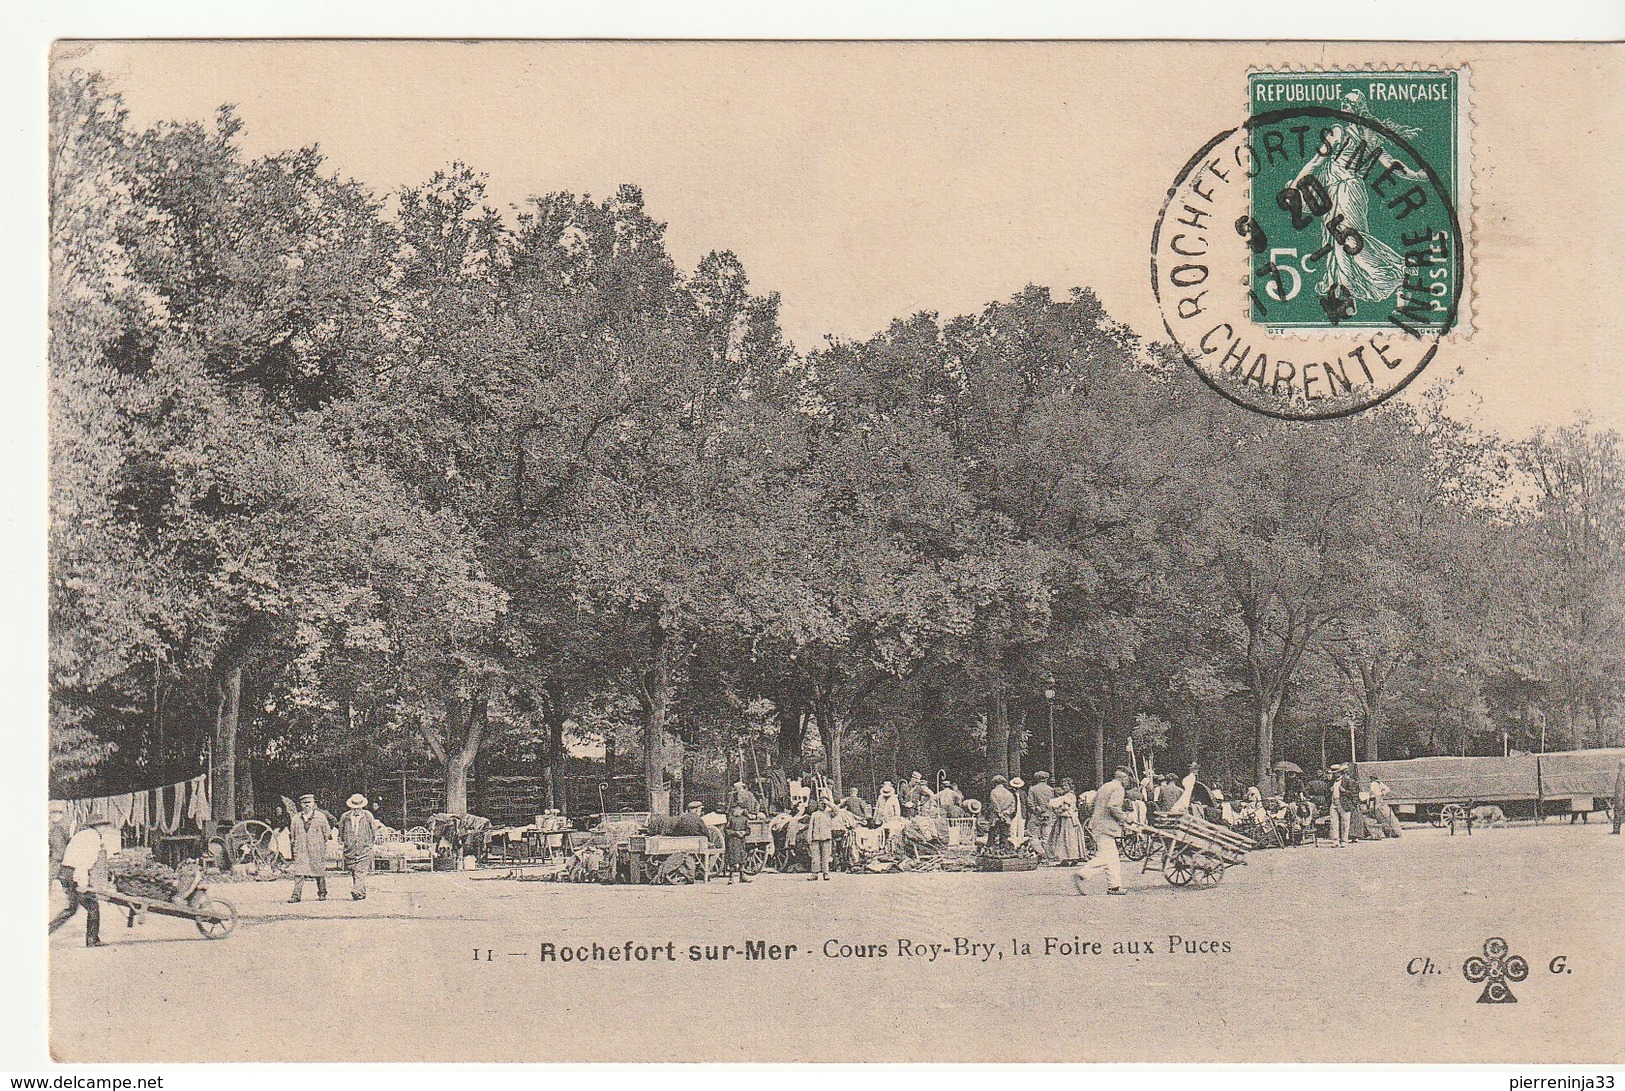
[[866, 181]]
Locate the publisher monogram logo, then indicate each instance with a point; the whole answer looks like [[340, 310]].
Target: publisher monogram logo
[[1495, 968]]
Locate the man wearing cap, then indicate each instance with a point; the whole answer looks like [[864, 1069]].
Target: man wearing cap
[[358, 832], [1106, 823], [1001, 807], [84, 866], [1040, 816], [310, 830]]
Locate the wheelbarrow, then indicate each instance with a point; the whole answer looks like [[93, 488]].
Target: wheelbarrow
[[214, 917]]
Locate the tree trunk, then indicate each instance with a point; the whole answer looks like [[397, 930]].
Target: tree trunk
[[998, 737], [792, 734], [1018, 739], [832, 731], [654, 732], [467, 721], [1370, 723], [1100, 746], [1265, 712], [228, 712], [553, 754], [917, 732], [245, 782]]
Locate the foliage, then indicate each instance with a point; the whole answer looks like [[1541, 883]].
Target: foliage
[[354, 483]]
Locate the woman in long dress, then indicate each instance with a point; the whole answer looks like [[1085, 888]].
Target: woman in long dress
[[1374, 271], [1066, 834]]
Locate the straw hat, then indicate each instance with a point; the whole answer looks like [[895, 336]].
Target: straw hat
[[1017, 782], [356, 802]]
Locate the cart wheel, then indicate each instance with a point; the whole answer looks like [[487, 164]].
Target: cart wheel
[[1133, 847], [220, 925], [1209, 876], [1179, 869], [755, 861]]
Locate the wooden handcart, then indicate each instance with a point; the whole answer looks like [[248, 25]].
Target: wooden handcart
[[758, 846], [214, 917], [648, 852], [1191, 850]]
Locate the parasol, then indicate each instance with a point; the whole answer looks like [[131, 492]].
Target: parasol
[[1284, 766]]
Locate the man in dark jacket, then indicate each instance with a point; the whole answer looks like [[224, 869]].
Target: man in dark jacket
[[358, 832], [734, 836], [1040, 818], [1001, 806], [856, 805]]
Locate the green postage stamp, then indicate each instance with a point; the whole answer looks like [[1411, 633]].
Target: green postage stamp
[[1348, 232]]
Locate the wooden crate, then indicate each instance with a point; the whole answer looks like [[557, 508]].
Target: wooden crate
[[665, 846]]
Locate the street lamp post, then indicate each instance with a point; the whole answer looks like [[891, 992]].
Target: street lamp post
[[1049, 707]]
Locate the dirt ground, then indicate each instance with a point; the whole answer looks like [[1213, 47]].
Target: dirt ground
[[1304, 954]]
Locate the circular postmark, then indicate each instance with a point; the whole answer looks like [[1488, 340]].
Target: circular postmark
[[1312, 201]]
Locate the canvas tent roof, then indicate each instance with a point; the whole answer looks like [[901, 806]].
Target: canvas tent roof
[[1447, 780], [1580, 772], [1523, 776]]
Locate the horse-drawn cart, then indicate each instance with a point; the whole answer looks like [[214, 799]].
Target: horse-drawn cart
[[1191, 850]]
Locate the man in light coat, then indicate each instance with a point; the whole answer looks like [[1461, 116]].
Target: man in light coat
[[820, 840], [1106, 823], [309, 829], [358, 832]]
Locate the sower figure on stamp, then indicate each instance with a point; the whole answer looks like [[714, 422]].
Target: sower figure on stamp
[[358, 832], [309, 830], [84, 866], [1107, 826]]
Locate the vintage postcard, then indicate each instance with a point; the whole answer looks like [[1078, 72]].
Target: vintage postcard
[[815, 551]]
